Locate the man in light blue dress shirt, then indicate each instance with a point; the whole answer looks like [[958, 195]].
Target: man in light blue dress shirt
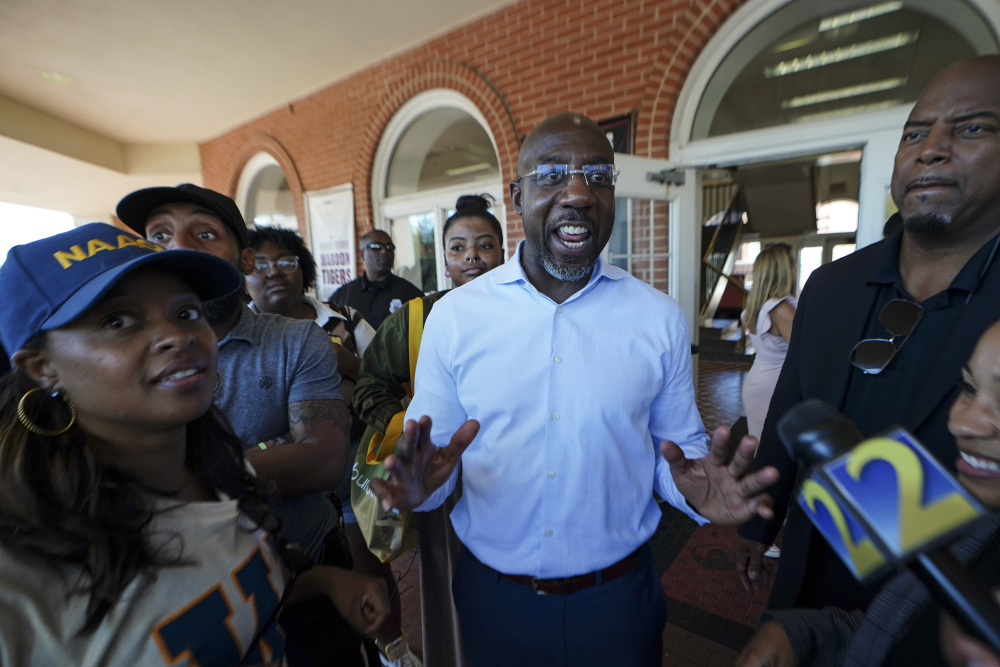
[[570, 370]]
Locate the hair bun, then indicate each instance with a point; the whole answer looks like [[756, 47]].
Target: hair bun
[[473, 203]]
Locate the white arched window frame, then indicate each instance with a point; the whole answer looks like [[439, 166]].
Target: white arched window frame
[[876, 133], [254, 166], [440, 202]]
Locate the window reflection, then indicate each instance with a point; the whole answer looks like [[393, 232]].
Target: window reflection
[[443, 147], [413, 236], [269, 200], [851, 59]]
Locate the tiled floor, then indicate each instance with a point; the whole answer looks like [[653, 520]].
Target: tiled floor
[[720, 385], [697, 633]]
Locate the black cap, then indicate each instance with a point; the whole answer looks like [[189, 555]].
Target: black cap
[[135, 208]]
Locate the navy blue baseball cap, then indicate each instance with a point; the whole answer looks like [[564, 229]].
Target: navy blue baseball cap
[[135, 208], [49, 283]]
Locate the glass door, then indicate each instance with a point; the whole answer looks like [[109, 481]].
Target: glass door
[[638, 242], [415, 240]]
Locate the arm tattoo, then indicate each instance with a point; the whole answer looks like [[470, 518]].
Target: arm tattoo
[[309, 415]]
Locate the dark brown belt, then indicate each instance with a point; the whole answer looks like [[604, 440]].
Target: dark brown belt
[[567, 585]]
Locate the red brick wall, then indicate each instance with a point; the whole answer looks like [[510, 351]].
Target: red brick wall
[[603, 58], [650, 229]]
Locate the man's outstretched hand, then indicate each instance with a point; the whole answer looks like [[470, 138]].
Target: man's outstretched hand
[[720, 486], [418, 467]]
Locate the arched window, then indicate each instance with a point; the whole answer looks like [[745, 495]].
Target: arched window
[[441, 148], [264, 196], [436, 148], [800, 79], [810, 61]]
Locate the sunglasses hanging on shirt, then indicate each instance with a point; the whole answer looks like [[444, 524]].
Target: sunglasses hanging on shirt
[[900, 318]]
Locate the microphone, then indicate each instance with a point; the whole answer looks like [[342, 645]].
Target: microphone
[[887, 501]]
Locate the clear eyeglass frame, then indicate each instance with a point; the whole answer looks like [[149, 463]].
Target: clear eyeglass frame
[[558, 175]]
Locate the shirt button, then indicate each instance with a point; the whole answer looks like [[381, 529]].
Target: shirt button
[[552, 475], [559, 309], [548, 533], [555, 416], [558, 360]]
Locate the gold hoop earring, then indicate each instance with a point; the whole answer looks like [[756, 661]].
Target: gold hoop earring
[[22, 415], [218, 386]]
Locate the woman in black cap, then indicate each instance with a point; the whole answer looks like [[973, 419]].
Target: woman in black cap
[[131, 530]]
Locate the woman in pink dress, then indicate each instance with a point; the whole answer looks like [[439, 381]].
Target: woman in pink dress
[[768, 322]]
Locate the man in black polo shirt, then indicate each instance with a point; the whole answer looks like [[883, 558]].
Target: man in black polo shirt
[[946, 182], [377, 293]]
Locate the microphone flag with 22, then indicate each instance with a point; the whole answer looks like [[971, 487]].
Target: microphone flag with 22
[[885, 502], [876, 502]]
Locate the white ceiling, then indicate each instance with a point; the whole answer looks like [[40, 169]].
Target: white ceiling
[[152, 78]]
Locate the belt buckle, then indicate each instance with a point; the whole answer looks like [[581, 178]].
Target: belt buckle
[[563, 581]]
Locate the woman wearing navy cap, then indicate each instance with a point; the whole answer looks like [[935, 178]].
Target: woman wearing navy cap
[[131, 531]]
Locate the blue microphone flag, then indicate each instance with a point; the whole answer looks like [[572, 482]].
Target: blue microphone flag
[[885, 500], [844, 533]]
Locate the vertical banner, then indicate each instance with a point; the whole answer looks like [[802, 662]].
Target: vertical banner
[[331, 233]]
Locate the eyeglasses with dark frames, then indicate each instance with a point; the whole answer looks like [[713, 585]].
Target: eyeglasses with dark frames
[[286, 264], [900, 318], [558, 175], [376, 246]]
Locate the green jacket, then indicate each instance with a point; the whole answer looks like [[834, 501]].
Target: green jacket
[[381, 390]]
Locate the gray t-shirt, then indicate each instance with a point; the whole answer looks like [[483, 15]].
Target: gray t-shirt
[[267, 362]]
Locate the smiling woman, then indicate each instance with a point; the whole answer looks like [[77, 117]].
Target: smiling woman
[[128, 517]]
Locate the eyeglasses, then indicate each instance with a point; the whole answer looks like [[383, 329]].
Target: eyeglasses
[[283, 264], [375, 246], [558, 175], [900, 318]]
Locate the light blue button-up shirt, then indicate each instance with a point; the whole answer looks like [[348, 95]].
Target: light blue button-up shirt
[[573, 400]]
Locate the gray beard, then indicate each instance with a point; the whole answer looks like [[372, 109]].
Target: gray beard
[[571, 273], [218, 311], [929, 224]]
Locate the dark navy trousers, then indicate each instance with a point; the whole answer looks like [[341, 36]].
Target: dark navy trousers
[[504, 624]]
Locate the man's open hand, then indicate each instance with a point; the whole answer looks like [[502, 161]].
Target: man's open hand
[[418, 467], [720, 486]]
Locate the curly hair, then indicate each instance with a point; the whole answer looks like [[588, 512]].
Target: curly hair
[[293, 243], [63, 503]]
